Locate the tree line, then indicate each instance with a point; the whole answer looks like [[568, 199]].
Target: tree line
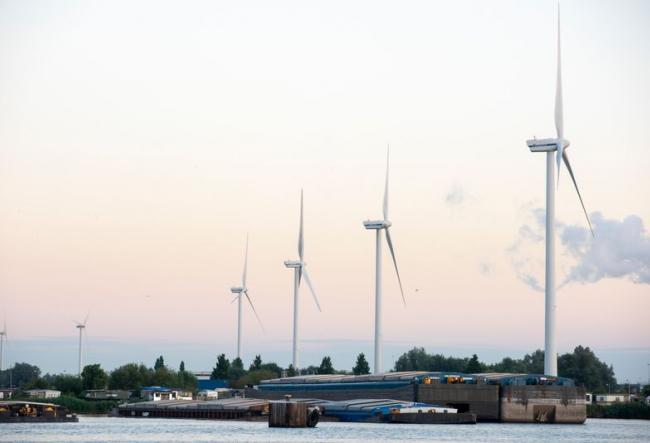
[[239, 377], [131, 376], [581, 365]]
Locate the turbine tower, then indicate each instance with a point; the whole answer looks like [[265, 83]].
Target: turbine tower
[[239, 290], [82, 330], [559, 146], [379, 226], [300, 270], [3, 335]]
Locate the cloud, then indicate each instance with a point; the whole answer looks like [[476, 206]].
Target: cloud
[[456, 196], [619, 249], [530, 237], [485, 268]]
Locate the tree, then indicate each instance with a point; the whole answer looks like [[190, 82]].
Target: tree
[[362, 366], [236, 370], [68, 384], [291, 371], [417, 359], [473, 365], [186, 380], [273, 367], [160, 363], [645, 392], [163, 377], [130, 376], [586, 369], [326, 366], [257, 364], [181, 368], [93, 377], [509, 365], [534, 363], [252, 378], [22, 374], [220, 371]]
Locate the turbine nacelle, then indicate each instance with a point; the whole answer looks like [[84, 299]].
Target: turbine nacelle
[[546, 144], [237, 289], [294, 264], [377, 224]]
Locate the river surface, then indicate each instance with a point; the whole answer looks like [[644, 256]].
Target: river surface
[[104, 429]]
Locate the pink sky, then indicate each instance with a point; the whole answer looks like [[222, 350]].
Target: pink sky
[[135, 155]]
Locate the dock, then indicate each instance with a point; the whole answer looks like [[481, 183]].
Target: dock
[[520, 398]]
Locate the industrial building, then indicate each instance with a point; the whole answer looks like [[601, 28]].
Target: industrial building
[[524, 398]]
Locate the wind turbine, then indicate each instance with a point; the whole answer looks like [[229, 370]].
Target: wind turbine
[[382, 225], [3, 335], [559, 146], [82, 330], [300, 270], [239, 290]]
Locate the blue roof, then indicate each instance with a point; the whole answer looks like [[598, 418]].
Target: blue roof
[[156, 389], [212, 384]]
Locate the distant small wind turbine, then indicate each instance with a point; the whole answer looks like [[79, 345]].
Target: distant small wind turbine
[[239, 290], [3, 336], [300, 270], [559, 146], [382, 225], [82, 330]]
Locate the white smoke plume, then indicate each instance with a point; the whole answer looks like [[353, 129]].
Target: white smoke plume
[[619, 249]]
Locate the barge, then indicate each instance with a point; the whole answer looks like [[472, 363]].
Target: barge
[[34, 412], [521, 398]]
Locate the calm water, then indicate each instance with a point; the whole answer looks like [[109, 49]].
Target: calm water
[[103, 429]]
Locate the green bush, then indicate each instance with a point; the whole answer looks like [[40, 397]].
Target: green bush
[[634, 410]]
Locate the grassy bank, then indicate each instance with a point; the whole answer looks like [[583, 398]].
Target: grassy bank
[[635, 410]]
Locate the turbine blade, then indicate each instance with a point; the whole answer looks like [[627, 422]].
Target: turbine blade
[[311, 289], [254, 311], [575, 184], [392, 254], [243, 277], [86, 319], [559, 111], [386, 186], [301, 240], [234, 300]]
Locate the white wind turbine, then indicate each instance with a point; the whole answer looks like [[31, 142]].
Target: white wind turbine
[[382, 225], [300, 270], [82, 330], [239, 290], [559, 146], [3, 336]]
